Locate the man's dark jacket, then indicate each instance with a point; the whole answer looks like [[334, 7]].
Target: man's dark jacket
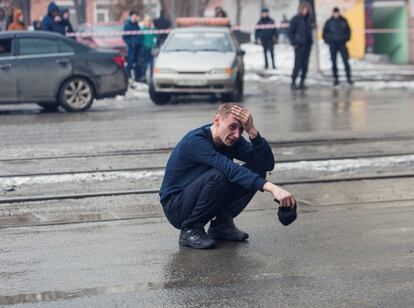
[[336, 31], [196, 153], [300, 30], [266, 35], [48, 22], [132, 39]]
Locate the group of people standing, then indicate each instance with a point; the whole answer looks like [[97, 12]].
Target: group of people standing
[[55, 20], [336, 33], [14, 22], [141, 46]]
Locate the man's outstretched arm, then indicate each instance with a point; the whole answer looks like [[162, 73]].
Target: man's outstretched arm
[[284, 197]]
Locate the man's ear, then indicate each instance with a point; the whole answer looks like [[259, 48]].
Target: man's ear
[[216, 120]]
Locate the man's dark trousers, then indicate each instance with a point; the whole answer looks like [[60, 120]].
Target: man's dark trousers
[[302, 53], [134, 51], [334, 49], [210, 195], [268, 47]]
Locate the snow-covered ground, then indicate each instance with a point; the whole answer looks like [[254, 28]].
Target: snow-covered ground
[[370, 74]]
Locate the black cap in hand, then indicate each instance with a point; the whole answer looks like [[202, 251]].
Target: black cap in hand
[[287, 215]]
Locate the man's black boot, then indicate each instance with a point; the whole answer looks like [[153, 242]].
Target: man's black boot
[[302, 86], [225, 229], [195, 238], [336, 82]]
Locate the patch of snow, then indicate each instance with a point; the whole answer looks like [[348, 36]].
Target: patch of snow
[[367, 74], [344, 165]]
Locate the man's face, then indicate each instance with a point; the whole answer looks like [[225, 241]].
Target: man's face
[[134, 18], [336, 15], [228, 128], [305, 10], [55, 13], [265, 14]]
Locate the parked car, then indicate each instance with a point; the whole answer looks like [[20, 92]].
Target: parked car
[[51, 70], [95, 36], [199, 60]]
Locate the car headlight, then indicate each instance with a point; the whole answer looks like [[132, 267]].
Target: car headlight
[[160, 70], [228, 71]]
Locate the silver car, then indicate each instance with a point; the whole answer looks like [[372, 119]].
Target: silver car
[[198, 60]]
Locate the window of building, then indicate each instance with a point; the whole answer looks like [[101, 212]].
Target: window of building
[[101, 13]]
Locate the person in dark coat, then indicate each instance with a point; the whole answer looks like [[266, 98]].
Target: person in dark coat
[[52, 20], [266, 37], [3, 20], [336, 33], [300, 36], [65, 22], [134, 45], [203, 184], [162, 23]]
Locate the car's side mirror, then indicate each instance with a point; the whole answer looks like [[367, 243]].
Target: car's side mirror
[[241, 52]]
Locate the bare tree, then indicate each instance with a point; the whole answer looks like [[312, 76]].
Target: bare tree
[[238, 11], [80, 8], [122, 6]]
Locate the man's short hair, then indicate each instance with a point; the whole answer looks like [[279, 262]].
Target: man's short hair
[[224, 109], [335, 10], [133, 13]]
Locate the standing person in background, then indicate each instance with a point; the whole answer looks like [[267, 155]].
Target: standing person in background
[[149, 44], [336, 33], [36, 25], [3, 20], [162, 23], [300, 36], [266, 37], [67, 25], [220, 12], [9, 18], [18, 21], [134, 45], [52, 20], [284, 26]]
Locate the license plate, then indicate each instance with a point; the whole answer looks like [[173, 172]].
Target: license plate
[[191, 82]]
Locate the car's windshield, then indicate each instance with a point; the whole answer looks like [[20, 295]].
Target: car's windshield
[[198, 41]]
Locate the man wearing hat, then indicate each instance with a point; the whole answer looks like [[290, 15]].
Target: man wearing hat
[[203, 184], [266, 36], [336, 33]]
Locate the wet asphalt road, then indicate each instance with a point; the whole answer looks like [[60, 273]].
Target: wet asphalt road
[[351, 246]]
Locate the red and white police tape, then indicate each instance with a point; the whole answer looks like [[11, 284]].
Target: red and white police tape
[[239, 27]]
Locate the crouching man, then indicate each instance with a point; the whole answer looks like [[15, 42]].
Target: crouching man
[[203, 184]]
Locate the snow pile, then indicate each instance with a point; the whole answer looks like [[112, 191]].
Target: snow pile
[[136, 90], [368, 74], [349, 165]]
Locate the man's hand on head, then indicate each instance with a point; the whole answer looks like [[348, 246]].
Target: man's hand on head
[[246, 119]]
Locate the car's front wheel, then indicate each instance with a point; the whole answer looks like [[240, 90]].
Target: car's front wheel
[[76, 94], [159, 98]]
